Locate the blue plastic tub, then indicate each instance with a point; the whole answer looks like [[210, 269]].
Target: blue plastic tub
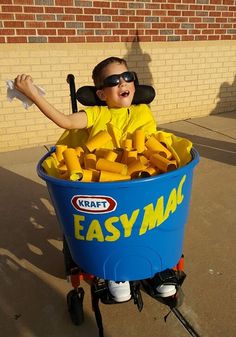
[[126, 230]]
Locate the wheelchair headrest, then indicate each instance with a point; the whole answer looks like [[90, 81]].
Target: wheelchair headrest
[[87, 95]]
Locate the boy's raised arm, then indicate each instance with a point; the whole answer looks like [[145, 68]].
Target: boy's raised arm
[[24, 83]]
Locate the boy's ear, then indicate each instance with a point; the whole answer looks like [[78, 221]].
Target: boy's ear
[[101, 95]]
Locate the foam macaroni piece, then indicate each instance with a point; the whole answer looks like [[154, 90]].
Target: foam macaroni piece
[[73, 165], [128, 144], [107, 165], [139, 157], [111, 176], [139, 140], [90, 160], [135, 167], [59, 152], [155, 146], [162, 163], [97, 141]]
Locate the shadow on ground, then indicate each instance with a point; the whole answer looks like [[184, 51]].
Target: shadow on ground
[[33, 286]]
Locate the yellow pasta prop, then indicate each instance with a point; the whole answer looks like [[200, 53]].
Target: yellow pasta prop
[[139, 157], [111, 155], [107, 165], [59, 152], [97, 141], [162, 163], [155, 146], [73, 165], [135, 167], [111, 176], [90, 160], [128, 144], [151, 170], [139, 140], [87, 175]]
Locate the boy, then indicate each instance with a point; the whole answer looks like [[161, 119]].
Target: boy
[[115, 85]]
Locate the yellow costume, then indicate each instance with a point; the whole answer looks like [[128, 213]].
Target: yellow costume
[[121, 124]]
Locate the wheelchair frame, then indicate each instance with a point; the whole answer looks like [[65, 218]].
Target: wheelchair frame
[[99, 287]]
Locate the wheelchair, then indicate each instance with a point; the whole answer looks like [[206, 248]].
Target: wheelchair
[[134, 261]]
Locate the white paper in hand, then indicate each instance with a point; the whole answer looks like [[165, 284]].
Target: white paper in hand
[[12, 93]]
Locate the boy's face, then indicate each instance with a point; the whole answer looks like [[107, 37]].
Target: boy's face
[[121, 95]]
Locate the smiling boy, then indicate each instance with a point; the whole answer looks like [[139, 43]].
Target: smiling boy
[[115, 86]]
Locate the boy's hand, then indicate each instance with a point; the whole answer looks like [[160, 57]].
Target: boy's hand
[[24, 83]]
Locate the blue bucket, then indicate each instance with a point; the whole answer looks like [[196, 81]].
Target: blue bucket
[[127, 230]]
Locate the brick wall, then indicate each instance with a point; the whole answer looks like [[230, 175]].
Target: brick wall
[[185, 49], [80, 21]]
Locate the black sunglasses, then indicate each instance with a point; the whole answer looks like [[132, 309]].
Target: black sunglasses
[[114, 80]]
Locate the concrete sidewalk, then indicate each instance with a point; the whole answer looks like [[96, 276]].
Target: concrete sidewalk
[[33, 287]]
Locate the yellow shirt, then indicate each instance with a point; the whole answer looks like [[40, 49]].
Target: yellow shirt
[[120, 123]]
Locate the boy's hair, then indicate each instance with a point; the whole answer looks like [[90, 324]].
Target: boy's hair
[[97, 74]]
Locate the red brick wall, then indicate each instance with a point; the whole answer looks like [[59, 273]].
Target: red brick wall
[[45, 21]]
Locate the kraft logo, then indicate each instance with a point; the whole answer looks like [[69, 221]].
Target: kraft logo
[[93, 203]]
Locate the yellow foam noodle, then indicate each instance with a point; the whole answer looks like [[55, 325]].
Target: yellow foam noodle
[[87, 176], [147, 153], [139, 140], [111, 155], [127, 144], [73, 165], [97, 141], [90, 160], [162, 163], [59, 152], [107, 165], [111, 176], [152, 170], [106, 154], [79, 151], [155, 146], [143, 159], [131, 156], [162, 137], [135, 167]]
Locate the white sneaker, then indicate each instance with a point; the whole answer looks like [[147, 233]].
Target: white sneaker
[[166, 290], [119, 290]]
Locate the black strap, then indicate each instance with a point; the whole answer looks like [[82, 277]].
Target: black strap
[[96, 309], [71, 82]]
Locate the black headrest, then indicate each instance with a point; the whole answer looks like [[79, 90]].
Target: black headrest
[[87, 95]]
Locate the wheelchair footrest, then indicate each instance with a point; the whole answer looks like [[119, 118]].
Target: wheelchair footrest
[[101, 291], [167, 277]]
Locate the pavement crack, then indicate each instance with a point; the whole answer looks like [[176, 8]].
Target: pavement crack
[[209, 129], [188, 327]]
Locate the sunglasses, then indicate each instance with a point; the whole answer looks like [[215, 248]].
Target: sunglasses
[[114, 80]]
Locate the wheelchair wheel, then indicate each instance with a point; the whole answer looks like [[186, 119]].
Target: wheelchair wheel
[[75, 305]]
